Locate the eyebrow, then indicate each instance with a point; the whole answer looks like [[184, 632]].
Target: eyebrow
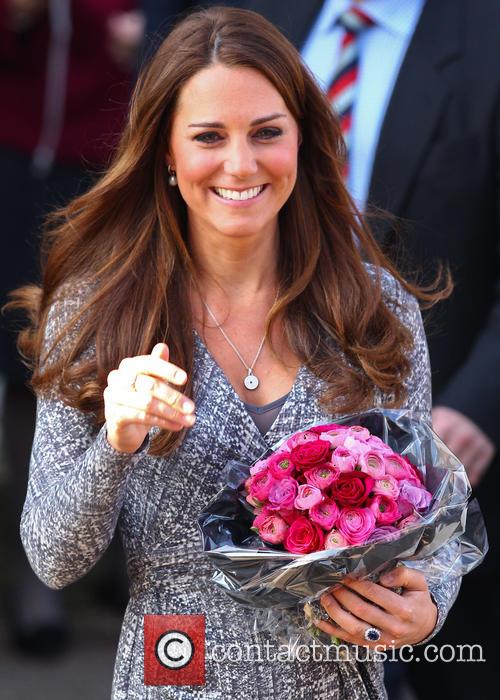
[[220, 125]]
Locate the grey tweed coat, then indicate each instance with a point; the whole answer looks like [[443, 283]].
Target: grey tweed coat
[[80, 489]]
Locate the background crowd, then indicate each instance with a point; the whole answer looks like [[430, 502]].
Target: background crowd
[[416, 84]]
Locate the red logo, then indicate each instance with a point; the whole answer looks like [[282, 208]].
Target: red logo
[[174, 650]]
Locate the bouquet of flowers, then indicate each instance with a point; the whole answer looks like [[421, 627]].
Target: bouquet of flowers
[[333, 486], [351, 498]]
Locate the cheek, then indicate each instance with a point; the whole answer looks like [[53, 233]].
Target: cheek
[[194, 168], [283, 165]]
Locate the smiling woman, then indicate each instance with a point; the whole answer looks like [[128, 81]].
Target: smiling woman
[[220, 245]]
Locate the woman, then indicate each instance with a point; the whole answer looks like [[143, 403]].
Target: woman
[[221, 237]]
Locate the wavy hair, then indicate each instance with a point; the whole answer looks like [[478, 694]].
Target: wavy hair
[[126, 241]]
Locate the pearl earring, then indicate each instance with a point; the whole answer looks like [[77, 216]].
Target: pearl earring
[[172, 177]]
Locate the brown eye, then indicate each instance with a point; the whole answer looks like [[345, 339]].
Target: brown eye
[[268, 133], [208, 137]]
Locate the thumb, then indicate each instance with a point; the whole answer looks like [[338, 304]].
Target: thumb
[[161, 350]]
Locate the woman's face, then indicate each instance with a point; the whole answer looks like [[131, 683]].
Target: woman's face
[[234, 147]]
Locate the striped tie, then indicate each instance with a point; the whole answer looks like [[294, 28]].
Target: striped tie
[[342, 91]]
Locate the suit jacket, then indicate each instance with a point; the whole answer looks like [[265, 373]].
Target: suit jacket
[[437, 169]]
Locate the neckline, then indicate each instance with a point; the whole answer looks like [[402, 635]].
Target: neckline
[[269, 437]]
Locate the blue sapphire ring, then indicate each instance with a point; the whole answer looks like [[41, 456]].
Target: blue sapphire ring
[[372, 634]]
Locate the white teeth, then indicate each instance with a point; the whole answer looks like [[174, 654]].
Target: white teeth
[[234, 194]]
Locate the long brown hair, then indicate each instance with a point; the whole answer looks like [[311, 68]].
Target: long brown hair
[[125, 241]]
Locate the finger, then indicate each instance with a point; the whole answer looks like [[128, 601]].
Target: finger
[[371, 614], [155, 366], [162, 391], [407, 578], [145, 402], [132, 416], [334, 630], [162, 351], [343, 618]]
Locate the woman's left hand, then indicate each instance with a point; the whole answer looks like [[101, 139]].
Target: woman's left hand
[[402, 619]]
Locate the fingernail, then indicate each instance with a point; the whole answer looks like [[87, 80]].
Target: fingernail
[[188, 406], [180, 376], [190, 419]]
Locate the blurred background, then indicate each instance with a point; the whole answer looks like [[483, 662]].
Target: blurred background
[[416, 84]]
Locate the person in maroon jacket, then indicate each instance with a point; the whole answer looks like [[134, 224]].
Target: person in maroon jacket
[[65, 76]]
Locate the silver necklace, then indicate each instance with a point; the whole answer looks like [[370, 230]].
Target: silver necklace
[[250, 381]]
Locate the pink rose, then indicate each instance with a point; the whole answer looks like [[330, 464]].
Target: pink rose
[[396, 466], [352, 488], [343, 459], [335, 539], [385, 509], [408, 521], [280, 465], [385, 533], [357, 447], [300, 439], [387, 486], [273, 529], [259, 466], [282, 494], [307, 497], [415, 476], [289, 516], [326, 427], [379, 445], [372, 463], [264, 513], [261, 485], [311, 454], [303, 537], [417, 496], [325, 513], [335, 436], [321, 477], [358, 432], [356, 524]]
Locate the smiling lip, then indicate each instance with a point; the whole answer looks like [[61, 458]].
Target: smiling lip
[[226, 194]]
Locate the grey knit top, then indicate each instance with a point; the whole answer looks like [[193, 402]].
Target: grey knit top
[[80, 490]]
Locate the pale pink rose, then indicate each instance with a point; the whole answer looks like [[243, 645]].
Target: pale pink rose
[[335, 539], [261, 485], [334, 436], [300, 438], [273, 529], [259, 466], [253, 501], [379, 445], [283, 493], [356, 524], [325, 513], [343, 459], [321, 477], [357, 447], [417, 496], [280, 465], [358, 432], [396, 466], [387, 486], [264, 513], [307, 496], [385, 533], [385, 509], [372, 463]]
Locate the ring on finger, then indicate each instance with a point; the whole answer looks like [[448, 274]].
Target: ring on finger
[[372, 634]]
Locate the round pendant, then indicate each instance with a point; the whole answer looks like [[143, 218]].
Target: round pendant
[[251, 381]]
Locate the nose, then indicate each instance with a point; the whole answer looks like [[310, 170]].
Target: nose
[[240, 159]]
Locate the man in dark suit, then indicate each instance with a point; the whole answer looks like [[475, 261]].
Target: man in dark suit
[[436, 167]]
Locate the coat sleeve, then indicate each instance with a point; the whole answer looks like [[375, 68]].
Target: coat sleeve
[[76, 486], [418, 385]]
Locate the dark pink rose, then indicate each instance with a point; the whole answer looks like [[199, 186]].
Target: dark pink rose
[[343, 459], [326, 427], [387, 486], [303, 537], [385, 509], [372, 463], [283, 493], [335, 539], [385, 533], [261, 485], [311, 454], [289, 516], [352, 488], [307, 497], [356, 524], [321, 477], [273, 529], [325, 513], [280, 465]]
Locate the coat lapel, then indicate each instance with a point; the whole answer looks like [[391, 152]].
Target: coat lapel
[[417, 101]]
